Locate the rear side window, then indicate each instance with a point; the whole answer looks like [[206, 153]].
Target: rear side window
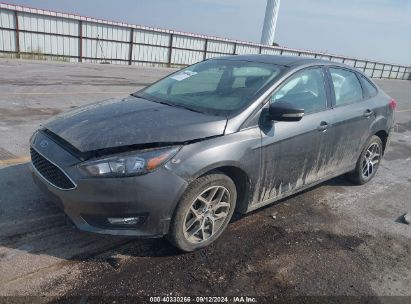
[[369, 87], [347, 87]]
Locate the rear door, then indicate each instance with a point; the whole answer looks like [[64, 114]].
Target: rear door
[[353, 115]]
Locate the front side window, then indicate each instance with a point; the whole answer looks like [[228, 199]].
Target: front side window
[[347, 87], [219, 87], [305, 90]]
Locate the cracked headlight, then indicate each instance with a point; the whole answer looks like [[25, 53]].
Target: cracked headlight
[[130, 164]]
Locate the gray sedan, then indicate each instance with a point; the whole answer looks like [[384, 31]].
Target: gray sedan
[[228, 134]]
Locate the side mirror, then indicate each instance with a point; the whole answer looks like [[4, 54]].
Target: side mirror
[[284, 111]]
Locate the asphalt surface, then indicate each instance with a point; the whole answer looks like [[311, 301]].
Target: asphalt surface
[[334, 239]]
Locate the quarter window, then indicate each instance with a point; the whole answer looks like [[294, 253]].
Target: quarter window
[[305, 90], [370, 88], [347, 87]]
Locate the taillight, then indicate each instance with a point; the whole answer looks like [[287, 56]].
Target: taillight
[[392, 104]]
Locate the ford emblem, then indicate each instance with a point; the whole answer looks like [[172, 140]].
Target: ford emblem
[[44, 143]]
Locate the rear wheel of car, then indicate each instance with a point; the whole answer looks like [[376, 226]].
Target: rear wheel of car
[[368, 162], [203, 212]]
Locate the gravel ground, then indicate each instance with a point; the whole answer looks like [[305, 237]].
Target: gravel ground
[[335, 239]]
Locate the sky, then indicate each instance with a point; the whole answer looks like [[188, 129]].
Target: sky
[[369, 29]]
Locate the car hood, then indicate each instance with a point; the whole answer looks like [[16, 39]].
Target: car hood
[[132, 121]]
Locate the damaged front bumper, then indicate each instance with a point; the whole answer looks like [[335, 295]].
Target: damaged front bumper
[[132, 206]]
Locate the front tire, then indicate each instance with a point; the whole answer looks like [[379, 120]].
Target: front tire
[[368, 162], [203, 212]]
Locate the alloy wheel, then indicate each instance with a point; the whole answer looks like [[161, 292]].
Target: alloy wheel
[[371, 160], [207, 214]]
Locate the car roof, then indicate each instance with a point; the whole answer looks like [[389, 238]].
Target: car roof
[[288, 61]]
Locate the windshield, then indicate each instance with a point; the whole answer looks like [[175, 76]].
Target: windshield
[[219, 87]]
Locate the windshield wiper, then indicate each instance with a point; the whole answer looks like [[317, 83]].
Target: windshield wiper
[[166, 103], [151, 99], [186, 107]]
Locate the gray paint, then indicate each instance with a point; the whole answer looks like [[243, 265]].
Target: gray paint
[[131, 121], [276, 159]]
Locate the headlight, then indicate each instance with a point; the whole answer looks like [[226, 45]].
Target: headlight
[[129, 164]]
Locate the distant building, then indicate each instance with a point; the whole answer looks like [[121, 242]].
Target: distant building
[[270, 22]]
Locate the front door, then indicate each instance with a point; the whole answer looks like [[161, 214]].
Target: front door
[[291, 151]]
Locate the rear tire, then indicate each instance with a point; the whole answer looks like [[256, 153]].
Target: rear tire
[[368, 162], [203, 212]]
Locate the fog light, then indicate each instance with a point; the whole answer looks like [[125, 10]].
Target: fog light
[[124, 220]]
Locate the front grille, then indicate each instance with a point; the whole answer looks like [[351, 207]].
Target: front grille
[[50, 172]]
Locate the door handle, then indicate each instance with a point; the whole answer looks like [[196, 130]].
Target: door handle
[[368, 113], [323, 126]]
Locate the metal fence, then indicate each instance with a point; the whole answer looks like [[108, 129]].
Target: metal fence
[[39, 34]]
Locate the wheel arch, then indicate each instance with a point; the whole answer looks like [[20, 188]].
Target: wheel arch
[[240, 178], [383, 135], [380, 128]]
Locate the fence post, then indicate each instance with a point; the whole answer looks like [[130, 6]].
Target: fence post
[[235, 48], [205, 49], [389, 76], [131, 44], [16, 24], [373, 70], [382, 72], [260, 49], [80, 41], [407, 74], [170, 49]]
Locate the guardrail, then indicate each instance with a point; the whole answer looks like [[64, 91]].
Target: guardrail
[[40, 34]]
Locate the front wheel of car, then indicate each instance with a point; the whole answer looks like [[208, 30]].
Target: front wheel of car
[[368, 162], [203, 212]]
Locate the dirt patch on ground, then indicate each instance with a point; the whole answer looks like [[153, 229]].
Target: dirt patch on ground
[[402, 127], [13, 116], [398, 150], [284, 250]]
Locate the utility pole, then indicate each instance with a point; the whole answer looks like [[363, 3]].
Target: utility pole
[[270, 22]]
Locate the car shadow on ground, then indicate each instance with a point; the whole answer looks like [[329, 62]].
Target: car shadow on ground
[[257, 254], [31, 222], [334, 182]]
